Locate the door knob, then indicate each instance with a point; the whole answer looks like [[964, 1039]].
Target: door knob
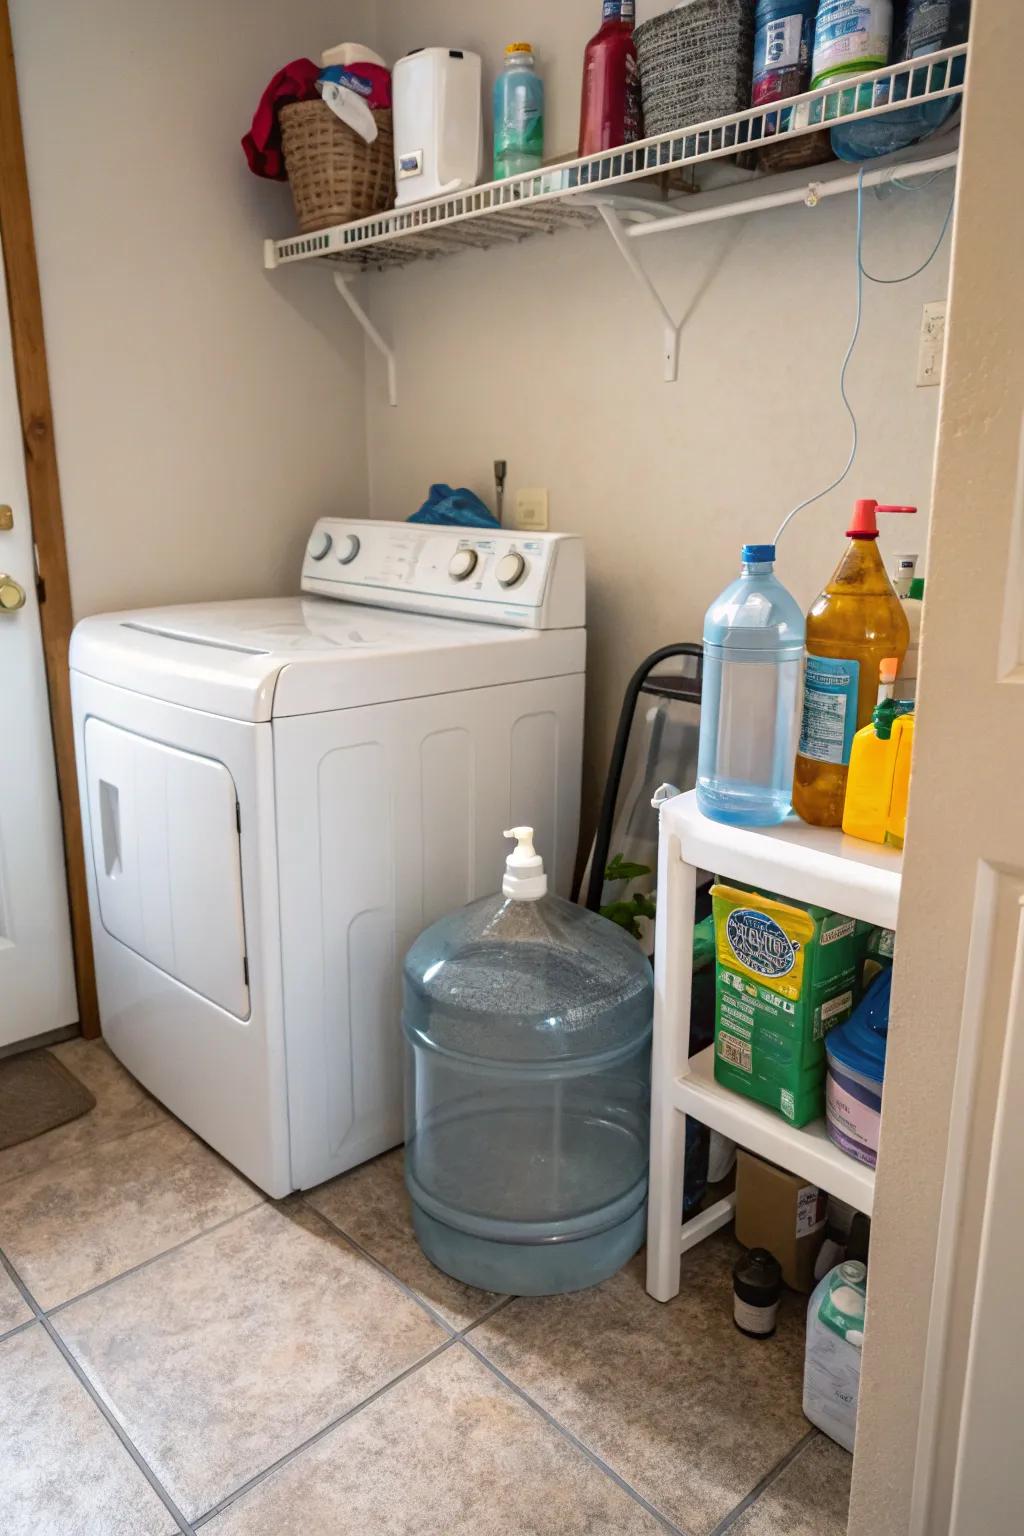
[[12, 595]]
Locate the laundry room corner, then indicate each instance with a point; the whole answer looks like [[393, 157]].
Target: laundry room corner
[[511, 858]]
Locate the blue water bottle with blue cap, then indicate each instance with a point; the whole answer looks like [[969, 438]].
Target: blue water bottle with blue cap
[[750, 703]]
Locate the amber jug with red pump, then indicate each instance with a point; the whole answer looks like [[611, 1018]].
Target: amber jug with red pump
[[852, 627]]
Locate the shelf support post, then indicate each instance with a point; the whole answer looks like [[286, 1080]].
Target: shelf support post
[[670, 1052], [671, 328], [344, 287]]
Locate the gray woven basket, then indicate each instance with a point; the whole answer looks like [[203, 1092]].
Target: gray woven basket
[[696, 62]]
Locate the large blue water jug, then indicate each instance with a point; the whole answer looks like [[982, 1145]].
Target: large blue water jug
[[749, 712], [922, 26], [528, 1030]]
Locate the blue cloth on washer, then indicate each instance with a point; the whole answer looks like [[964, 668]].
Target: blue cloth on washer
[[455, 509]]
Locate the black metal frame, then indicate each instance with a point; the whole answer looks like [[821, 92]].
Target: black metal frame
[[641, 682]]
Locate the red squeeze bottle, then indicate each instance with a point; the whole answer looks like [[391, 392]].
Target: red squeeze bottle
[[610, 111]]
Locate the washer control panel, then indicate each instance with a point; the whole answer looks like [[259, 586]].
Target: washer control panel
[[491, 576]]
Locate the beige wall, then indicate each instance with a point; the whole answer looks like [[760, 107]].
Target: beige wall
[[206, 412], [549, 356]]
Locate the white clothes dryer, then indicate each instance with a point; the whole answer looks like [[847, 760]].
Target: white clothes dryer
[[279, 795]]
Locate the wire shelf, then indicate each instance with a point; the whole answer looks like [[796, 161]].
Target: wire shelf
[[557, 197]]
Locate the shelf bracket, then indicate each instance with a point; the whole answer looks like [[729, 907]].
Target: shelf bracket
[[671, 328], [344, 287]]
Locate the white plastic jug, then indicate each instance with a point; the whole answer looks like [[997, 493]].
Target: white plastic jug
[[438, 123], [835, 1337]]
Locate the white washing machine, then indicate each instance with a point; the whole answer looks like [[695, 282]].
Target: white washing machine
[[279, 795]]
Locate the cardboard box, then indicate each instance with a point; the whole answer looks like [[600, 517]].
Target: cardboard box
[[781, 1212]]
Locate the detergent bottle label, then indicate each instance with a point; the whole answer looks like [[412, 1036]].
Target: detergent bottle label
[[830, 709], [850, 36]]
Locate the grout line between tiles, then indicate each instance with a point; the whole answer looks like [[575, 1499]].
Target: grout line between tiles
[[18, 1328], [424, 1306], [432, 1313], [567, 1434], [729, 1521], [321, 1434], [155, 1258], [485, 1317], [108, 1414], [75, 1153]]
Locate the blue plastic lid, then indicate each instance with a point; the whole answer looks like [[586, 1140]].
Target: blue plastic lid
[[860, 1043], [758, 554]]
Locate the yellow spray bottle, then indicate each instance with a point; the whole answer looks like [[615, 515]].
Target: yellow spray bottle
[[852, 627]]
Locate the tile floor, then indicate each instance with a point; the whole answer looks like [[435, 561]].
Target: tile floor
[[178, 1353]]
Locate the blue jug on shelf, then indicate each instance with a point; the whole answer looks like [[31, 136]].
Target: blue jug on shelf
[[922, 26], [528, 1030], [750, 700]]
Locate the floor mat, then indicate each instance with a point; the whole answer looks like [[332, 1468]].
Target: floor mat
[[38, 1093]]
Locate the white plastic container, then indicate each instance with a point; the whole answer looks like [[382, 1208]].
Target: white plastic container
[[913, 607], [835, 1338], [351, 53], [438, 123], [910, 591]]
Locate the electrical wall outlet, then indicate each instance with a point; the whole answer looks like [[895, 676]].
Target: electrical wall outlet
[[933, 340], [532, 510]]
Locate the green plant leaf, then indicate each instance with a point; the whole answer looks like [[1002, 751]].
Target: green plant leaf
[[644, 905], [623, 914], [621, 869]]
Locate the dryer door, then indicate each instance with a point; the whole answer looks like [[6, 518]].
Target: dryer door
[[168, 867]]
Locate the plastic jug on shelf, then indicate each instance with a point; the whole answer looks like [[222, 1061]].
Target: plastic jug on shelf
[[903, 747], [869, 783], [753, 660], [854, 625]]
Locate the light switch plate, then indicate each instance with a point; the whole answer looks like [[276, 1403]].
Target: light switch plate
[[933, 340], [532, 510]]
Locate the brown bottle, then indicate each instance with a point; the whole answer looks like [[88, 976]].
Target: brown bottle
[[852, 627]]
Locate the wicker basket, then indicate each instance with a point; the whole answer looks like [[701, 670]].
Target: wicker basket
[[696, 63], [335, 176]]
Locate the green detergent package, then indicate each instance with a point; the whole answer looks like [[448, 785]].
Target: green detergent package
[[878, 954], [787, 973]]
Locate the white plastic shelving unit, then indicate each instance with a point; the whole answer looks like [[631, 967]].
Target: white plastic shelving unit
[[607, 187], [807, 864]]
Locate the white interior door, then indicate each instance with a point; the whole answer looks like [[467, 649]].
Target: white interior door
[[939, 1432], [37, 982]]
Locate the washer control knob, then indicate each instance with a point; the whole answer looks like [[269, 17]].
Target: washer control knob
[[319, 546], [347, 548], [462, 564], [511, 570]]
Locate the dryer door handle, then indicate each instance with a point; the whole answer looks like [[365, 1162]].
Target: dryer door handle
[[110, 828]]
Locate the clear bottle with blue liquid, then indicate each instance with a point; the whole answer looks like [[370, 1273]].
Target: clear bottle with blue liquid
[[518, 114], [750, 703]]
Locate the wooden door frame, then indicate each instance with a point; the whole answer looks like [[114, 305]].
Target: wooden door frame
[[33, 384]]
